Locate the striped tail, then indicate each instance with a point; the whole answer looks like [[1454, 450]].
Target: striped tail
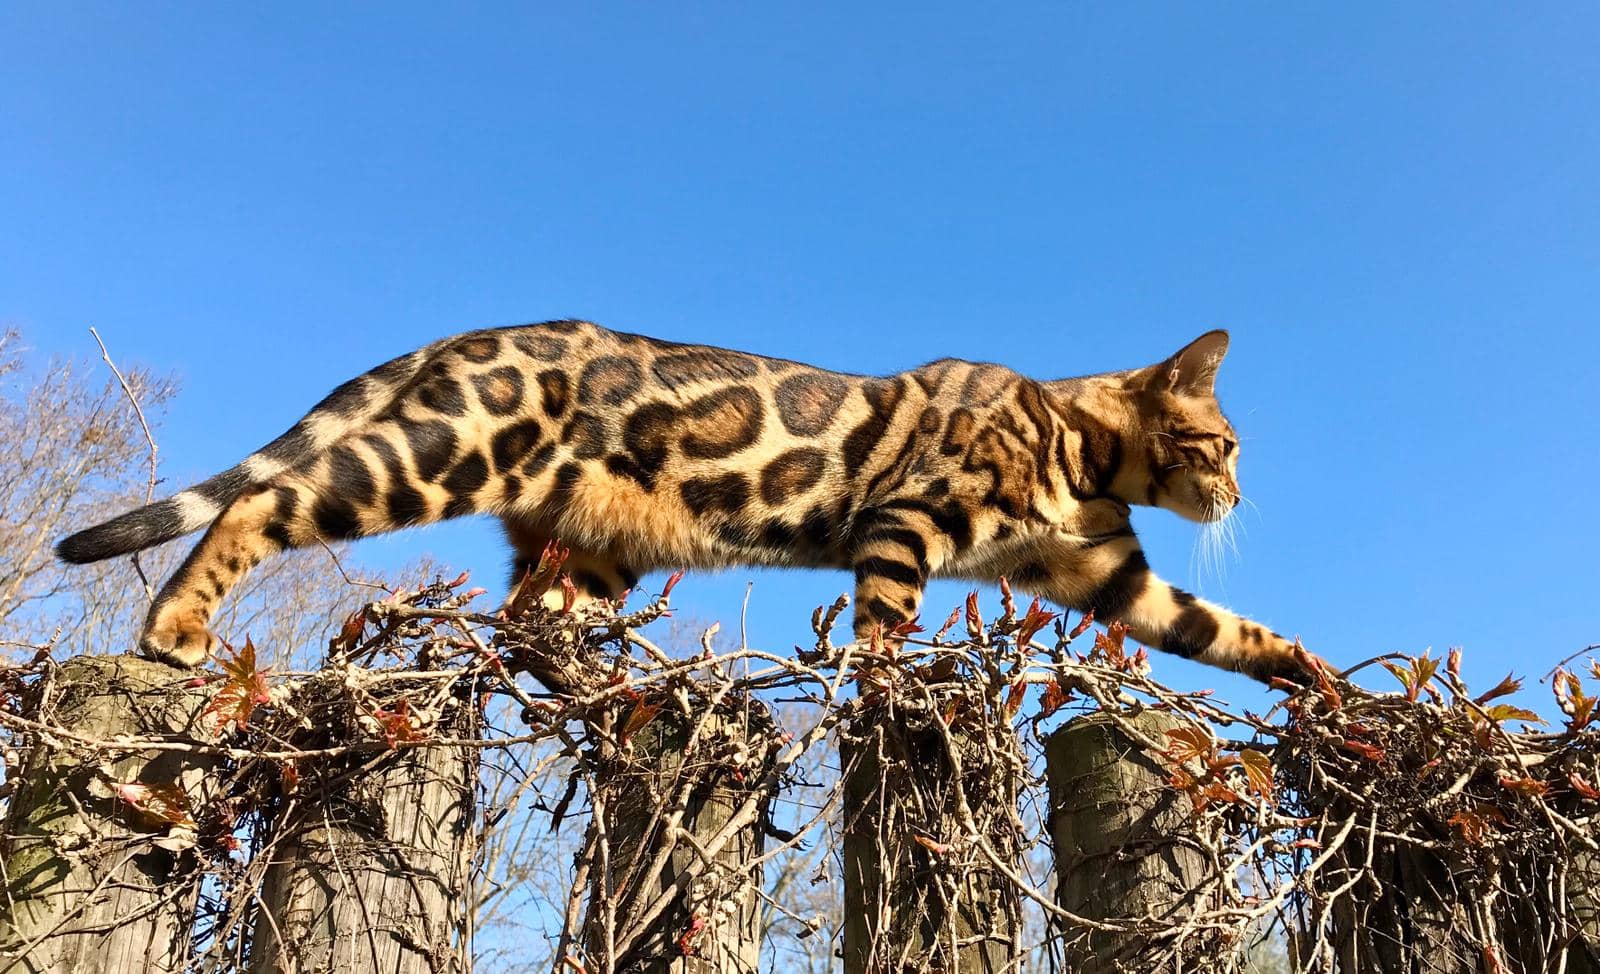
[[347, 407]]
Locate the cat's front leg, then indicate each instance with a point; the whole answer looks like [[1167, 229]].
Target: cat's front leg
[[1113, 579], [1098, 517]]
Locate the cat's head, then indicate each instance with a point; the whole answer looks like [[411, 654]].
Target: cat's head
[[1191, 449]]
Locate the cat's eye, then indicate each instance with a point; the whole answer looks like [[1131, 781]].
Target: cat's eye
[[1228, 447]]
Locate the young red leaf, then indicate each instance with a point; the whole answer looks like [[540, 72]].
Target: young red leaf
[[536, 581], [1108, 644], [686, 942], [1507, 686], [910, 627], [396, 723], [1532, 787], [243, 688], [1188, 744], [1566, 685], [1008, 604], [1574, 702], [1036, 618], [974, 617], [1415, 676], [1314, 665], [641, 715], [1082, 626], [1583, 713], [158, 804], [1369, 751], [551, 561], [1491, 959], [937, 848], [1583, 787], [1425, 667], [1054, 698], [875, 642], [1502, 712], [1216, 791], [1014, 698], [1257, 772], [1404, 675], [350, 633], [1474, 825]]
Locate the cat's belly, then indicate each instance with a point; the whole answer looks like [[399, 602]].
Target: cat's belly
[[992, 559]]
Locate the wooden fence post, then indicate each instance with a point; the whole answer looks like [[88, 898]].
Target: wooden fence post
[[710, 922], [1583, 953], [370, 864], [1117, 828], [87, 887], [1411, 918], [908, 905]]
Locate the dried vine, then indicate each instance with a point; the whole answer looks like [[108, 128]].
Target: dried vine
[[1426, 829]]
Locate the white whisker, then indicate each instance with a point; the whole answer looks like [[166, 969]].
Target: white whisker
[[1245, 500], [1219, 536]]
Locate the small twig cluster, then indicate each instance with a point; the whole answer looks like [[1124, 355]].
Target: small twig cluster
[[1431, 823]]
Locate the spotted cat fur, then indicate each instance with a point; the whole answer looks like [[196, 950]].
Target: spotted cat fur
[[642, 454]]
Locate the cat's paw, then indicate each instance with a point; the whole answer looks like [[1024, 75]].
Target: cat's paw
[[1294, 669], [181, 642]]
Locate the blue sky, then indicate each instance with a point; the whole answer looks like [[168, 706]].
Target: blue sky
[[1393, 207]]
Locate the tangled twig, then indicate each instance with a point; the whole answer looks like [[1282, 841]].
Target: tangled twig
[[1343, 831]]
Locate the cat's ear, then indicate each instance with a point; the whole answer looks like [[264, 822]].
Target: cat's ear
[[1192, 371]]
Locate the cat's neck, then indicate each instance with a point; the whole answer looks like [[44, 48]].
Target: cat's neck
[[1106, 407]]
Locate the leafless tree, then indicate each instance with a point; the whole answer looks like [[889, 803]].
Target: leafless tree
[[70, 454], [74, 452]]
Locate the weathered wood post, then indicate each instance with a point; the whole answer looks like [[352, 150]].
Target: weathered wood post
[[660, 853], [917, 897], [1117, 827], [87, 887], [370, 863], [1583, 952], [1407, 914]]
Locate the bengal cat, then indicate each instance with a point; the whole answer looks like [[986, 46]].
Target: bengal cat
[[642, 454]]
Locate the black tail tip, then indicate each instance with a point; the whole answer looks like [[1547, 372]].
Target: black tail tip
[[79, 549], [133, 531]]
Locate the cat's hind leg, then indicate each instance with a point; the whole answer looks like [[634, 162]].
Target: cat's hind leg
[[892, 559], [253, 527], [359, 487]]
